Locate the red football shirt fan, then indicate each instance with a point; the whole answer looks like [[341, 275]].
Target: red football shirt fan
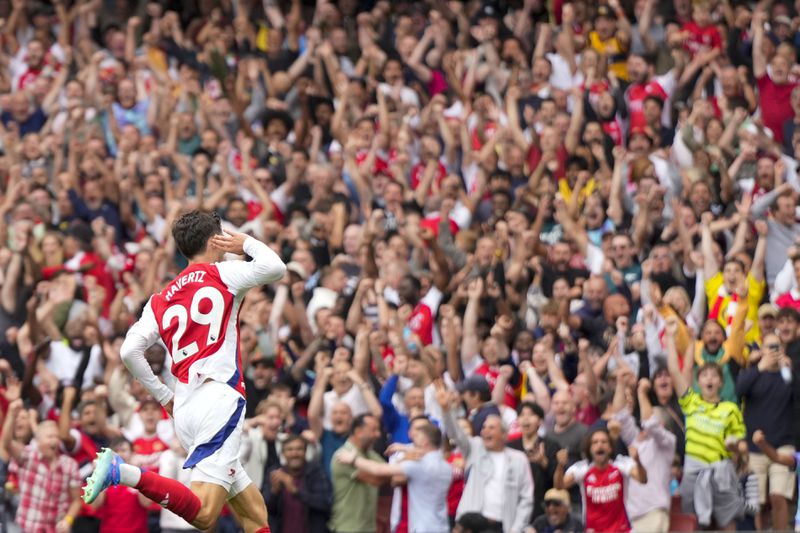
[[701, 38], [603, 493], [660, 86], [775, 101], [421, 320]]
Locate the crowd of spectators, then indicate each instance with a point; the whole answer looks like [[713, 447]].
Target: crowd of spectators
[[543, 256]]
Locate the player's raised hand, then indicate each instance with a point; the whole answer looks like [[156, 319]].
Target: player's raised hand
[[229, 241]]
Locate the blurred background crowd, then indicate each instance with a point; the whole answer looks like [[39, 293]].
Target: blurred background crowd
[[543, 256]]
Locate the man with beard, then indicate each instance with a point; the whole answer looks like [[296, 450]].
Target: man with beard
[[643, 83], [558, 265], [236, 219], [730, 289], [92, 433], [258, 384], [298, 494], [599, 311], [727, 353], [603, 482], [67, 354]]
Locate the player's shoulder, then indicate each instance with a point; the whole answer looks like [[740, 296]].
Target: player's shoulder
[[185, 284]]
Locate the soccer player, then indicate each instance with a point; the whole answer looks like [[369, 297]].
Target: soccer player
[[196, 316], [603, 482]]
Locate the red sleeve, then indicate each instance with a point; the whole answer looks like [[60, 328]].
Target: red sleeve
[[716, 39], [780, 301]]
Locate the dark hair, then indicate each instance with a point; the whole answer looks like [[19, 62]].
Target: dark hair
[[414, 281], [281, 385], [503, 192], [713, 322], [293, 438], [433, 434], [485, 395], [711, 365], [193, 230], [474, 522], [649, 58], [733, 260], [587, 441], [533, 406], [360, 421], [236, 200], [418, 417], [118, 441], [788, 312], [578, 161], [656, 99], [203, 151], [84, 404]]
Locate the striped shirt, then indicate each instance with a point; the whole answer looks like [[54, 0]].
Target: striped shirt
[[44, 489], [708, 425]]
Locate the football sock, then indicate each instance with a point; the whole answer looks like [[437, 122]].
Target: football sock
[[171, 494]]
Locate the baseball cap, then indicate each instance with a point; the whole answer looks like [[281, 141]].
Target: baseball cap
[[767, 309], [605, 11], [783, 19], [475, 383], [487, 10], [557, 495]]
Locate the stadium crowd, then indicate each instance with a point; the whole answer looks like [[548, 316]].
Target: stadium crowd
[[543, 257]]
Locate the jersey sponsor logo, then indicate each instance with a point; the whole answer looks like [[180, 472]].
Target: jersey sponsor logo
[[604, 494]]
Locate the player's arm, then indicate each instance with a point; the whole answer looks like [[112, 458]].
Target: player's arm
[[266, 266], [786, 459], [140, 337]]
